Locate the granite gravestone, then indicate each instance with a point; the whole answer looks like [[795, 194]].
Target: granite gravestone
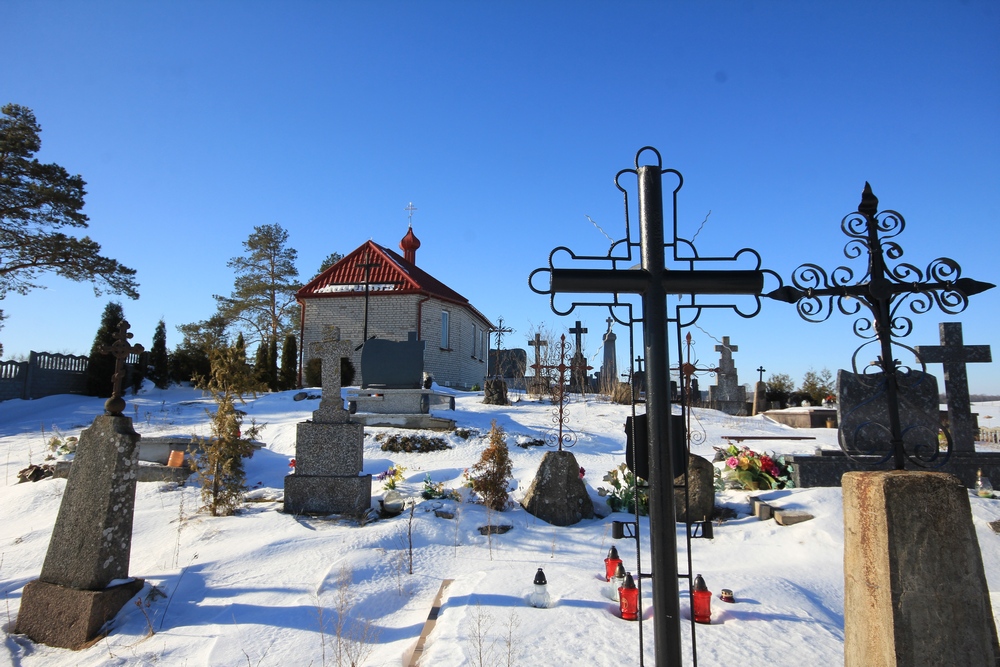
[[727, 395], [955, 355], [84, 580], [863, 412], [329, 449]]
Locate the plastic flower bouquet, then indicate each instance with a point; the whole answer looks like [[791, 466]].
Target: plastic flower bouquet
[[753, 471]]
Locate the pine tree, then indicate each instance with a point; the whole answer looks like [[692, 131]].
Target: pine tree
[[289, 364], [329, 261], [262, 302], [159, 361], [220, 467], [37, 202], [101, 367]]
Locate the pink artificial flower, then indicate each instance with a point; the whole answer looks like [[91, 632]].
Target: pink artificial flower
[[732, 462]]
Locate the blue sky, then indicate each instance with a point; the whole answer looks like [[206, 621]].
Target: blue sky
[[505, 123]]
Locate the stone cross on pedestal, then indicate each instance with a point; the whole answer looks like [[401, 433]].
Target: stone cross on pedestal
[[954, 355], [578, 372], [119, 349], [725, 351], [761, 370], [727, 395], [85, 576], [331, 406]]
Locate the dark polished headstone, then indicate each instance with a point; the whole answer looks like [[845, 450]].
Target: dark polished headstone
[[508, 363], [863, 412], [389, 364]]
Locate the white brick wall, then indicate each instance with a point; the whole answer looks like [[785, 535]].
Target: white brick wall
[[392, 317]]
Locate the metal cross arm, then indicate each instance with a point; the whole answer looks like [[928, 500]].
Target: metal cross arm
[[637, 281]]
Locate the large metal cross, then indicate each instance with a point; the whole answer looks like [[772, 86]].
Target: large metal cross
[[883, 290], [538, 344], [120, 350], [653, 282], [954, 355]]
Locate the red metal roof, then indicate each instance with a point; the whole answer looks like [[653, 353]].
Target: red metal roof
[[388, 273]]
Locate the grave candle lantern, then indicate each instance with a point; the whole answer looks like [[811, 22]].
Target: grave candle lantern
[[617, 581], [540, 596], [701, 601], [628, 599], [611, 563]]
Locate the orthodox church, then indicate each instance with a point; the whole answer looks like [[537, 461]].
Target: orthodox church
[[375, 292]]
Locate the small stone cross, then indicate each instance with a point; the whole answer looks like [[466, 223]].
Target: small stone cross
[[578, 331], [726, 354], [120, 350], [954, 355], [538, 344]]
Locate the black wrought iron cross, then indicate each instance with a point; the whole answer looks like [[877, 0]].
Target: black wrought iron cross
[[761, 370], [566, 437], [653, 282], [120, 350], [882, 290]]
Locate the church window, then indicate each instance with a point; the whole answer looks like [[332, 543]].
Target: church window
[[445, 337]]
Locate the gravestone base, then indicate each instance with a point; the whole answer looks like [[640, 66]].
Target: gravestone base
[[827, 467], [915, 592], [329, 449], [328, 494], [557, 495], [67, 617]]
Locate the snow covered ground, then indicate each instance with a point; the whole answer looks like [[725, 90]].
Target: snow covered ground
[[262, 587]]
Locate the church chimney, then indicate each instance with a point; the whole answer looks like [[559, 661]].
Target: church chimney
[[409, 246]]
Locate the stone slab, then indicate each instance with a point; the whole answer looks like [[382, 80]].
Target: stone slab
[[406, 421], [149, 473], [310, 494], [92, 537], [329, 449], [812, 417], [915, 592], [67, 617], [791, 517]]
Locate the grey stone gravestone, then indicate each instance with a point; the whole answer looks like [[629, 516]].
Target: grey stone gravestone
[[955, 355], [509, 363], [915, 591], [727, 394], [578, 374], [609, 367], [84, 579], [329, 449], [863, 417], [557, 495]]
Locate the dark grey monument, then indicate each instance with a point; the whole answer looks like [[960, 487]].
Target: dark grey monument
[[863, 417], [329, 450], [390, 364], [557, 494], [955, 355], [84, 580]]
